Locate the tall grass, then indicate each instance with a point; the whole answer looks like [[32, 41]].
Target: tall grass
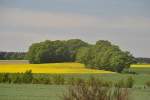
[[94, 90]]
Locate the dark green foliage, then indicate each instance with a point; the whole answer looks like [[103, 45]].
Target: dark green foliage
[[74, 45], [27, 76], [12, 55], [17, 78], [105, 56], [142, 60], [42, 80], [58, 79], [83, 55], [5, 78], [129, 71], [148, 83], [54, 51], [102, 55]]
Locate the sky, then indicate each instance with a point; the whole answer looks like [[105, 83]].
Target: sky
[[123, 22]]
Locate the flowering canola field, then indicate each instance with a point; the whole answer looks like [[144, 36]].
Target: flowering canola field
[[52, 68], [140, 66]]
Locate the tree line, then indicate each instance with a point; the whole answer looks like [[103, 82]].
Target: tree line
[[102, 55], [12, 55], [142, 60]]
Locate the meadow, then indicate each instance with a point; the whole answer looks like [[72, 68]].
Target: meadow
[[54, 92], [67, 70], [50, 92]]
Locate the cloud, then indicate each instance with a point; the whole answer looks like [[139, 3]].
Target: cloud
[[15, 17]]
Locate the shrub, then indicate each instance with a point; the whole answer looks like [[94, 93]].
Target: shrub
[[94, 91], [120, 84], [27, 77], [41, 80], [58, 79], [129, 82], [36, 81], [71, 81], [148, 83], [5, 78], [93, 81], [17, 78]]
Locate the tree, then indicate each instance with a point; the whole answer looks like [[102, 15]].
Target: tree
[[102, 55], [74, 45], [12, 55], [54, 51], [105, 56], [83, 55]]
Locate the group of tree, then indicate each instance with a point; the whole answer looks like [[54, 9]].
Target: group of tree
[[12, 55], [54, 51], [102, 55]]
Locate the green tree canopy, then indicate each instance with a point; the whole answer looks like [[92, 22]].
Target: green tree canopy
[[102, 55], [105, 56], [54, 51]]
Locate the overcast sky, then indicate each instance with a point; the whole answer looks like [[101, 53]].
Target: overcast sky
[[123, 22]]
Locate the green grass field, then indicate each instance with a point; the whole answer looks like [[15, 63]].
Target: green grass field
[[52, 92], [31, 92]]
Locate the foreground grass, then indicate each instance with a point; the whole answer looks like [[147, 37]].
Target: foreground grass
[[53, 68], [51, 92], [31, 92]]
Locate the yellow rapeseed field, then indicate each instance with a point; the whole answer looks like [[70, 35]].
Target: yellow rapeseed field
[[53, 68], [140, 66]]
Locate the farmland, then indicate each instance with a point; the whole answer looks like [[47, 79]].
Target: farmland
[[54, 92], [141, 68], [54, 68], [15, 66], [67, 70]]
